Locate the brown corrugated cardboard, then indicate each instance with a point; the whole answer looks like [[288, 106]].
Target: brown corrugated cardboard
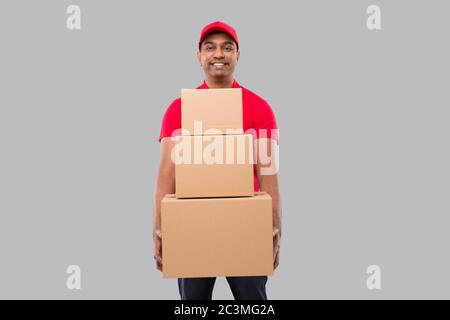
[[213, 166], [217, 109], [215, 237]]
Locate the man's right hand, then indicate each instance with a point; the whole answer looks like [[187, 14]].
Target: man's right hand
[[157, 255]]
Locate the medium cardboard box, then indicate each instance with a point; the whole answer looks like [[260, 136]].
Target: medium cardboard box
[[214, 166], [213, 109], [215, 237]]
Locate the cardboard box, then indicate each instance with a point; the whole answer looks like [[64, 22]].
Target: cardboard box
[[212, 109], [216, 237], [214, 166]]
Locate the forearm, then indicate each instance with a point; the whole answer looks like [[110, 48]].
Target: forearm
[[269, 184], [165, 184]]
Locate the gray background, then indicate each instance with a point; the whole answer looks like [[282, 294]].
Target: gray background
[[363, 119]]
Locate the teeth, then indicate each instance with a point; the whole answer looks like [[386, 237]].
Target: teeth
[[218, 64]]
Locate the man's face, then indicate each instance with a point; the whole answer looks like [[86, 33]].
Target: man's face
[[218, 55]]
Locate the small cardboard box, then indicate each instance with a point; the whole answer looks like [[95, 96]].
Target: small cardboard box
[[214, 166], [215, 237], [213, 109]]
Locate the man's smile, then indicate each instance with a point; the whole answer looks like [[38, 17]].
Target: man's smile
[[219, 65]]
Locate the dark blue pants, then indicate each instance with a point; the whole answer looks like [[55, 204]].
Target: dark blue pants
[[243, 288]]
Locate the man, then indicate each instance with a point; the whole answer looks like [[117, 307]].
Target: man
[[218, 56]]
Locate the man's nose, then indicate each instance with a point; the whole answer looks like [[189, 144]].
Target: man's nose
[[218, 54]]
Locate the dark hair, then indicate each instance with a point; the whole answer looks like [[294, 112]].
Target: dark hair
[[215, 32]]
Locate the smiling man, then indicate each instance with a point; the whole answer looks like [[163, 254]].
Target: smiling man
[[218, 55]]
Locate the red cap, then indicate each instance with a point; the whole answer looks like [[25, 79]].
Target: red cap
[[218, 26]]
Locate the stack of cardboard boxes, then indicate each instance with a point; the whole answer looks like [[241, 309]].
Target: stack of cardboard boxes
[[215, 224]]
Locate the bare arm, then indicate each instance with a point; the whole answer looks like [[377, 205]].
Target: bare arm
[[269, 184], [165, 184], [267, 169]]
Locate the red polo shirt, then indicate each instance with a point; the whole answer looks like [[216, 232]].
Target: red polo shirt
[[256, 115]]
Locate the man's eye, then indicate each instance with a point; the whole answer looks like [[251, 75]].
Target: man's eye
[[209, 48]]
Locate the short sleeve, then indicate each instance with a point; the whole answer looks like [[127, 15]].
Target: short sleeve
[[265, 122], [171, 120]]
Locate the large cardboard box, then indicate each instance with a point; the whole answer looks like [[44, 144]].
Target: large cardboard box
[[217, 109], [215, 237], [214, 166]]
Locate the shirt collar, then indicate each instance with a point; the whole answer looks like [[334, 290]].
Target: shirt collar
[[205, 86]]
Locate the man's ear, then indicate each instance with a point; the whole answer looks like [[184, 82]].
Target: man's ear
[[199, 59], [238, 55]]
